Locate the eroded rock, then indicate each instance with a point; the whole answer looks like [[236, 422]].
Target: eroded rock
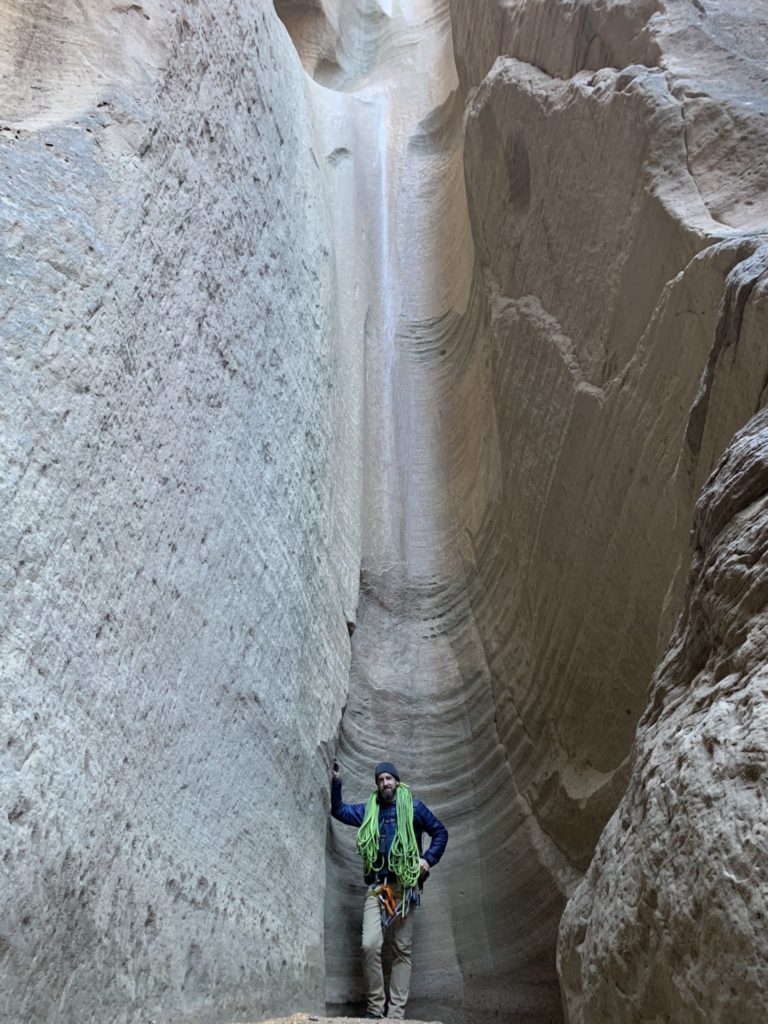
[[605, 289], [178, 557], [538, 451], [268, 347], [669, 921]]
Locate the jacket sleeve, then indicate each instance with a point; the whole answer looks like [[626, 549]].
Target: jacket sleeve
[[435, 829], [350, 814]]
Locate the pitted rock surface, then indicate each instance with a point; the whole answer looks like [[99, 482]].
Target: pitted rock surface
[[421, 317], [669, 921], [179, 540]]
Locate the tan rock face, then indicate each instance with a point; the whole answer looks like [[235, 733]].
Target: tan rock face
[[711, 55], [669, 921], [609, 283]]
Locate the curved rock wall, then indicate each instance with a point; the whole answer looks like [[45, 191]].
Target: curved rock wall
[[460, 315], [669, 921], [618, 215], [528, 521], [180, 534], [615, 352]]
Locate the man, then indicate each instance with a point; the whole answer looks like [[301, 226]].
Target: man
[[390, 829]]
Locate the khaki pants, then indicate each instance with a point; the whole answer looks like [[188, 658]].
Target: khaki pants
[[400, 978]]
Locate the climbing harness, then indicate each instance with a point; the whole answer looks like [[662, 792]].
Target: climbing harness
[[394, 902]]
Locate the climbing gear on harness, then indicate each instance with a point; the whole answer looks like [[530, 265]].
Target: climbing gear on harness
[[404, 854], [394, 902], [387, 899]]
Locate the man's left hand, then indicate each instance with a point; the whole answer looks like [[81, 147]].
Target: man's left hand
[[424, 868]]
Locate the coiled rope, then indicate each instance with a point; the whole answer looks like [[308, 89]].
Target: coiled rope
[[404, 854]]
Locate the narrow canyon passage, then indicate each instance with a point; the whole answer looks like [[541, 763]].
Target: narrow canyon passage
[[516, 274], [433, 317], [390, 115]]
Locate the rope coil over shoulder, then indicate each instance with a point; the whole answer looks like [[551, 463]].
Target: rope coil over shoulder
[[404, 853]]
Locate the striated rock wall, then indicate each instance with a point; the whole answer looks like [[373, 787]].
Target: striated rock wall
[[180, 530], [534, 473], [620, 274], [669, 921], [454, 304]]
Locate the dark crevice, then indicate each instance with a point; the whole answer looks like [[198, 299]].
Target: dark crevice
[[739, 286]]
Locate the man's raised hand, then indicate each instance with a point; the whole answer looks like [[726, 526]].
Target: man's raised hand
[[336, 770]]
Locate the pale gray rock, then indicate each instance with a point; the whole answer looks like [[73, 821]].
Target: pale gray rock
[[179, 550], [712, 55], [528, 515], [669, 923], [461, 314]]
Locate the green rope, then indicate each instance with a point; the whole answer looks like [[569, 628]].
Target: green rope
[[368, 836], [404, 853]]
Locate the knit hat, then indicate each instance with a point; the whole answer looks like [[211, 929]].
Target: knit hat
[[385, 766]]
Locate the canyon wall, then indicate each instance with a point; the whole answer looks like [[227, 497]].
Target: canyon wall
[[427, 317], [180, 533], [553, 426], [669, 921], [618, 205]]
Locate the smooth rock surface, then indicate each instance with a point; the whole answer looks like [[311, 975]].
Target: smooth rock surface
[[536, 434], [180, 529], [615, 291], [669, 923]]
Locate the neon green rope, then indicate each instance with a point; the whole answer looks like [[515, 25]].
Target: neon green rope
[[368, 836], [404, 853]]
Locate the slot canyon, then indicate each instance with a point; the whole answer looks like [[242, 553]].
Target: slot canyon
[[384, 380]]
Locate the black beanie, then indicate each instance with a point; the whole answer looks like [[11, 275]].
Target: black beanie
[[385, 766]]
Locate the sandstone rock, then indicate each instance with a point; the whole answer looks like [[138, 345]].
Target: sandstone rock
[[669, 921], [610, 275], [535, 447], [440, 340], [180, 538], [60, 60], [712, 56]]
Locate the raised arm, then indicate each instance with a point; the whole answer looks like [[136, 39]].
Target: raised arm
[[349, 814], [435, 829]]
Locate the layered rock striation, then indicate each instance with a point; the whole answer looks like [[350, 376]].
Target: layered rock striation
[[537, 428], [669, 921], [622, 302], [426, 317]]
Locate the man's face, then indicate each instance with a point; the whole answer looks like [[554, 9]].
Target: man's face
[[387, 785]]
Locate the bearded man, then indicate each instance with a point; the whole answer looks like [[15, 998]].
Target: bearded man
[[390, 826]]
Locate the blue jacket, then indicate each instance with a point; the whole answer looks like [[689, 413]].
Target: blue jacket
[[423, 821]]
